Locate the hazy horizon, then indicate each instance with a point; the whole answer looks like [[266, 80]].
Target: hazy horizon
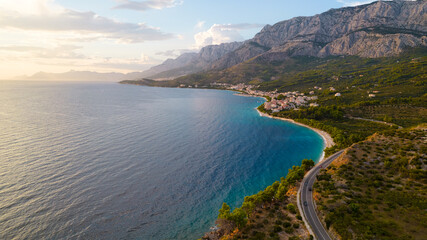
[[123, 36]]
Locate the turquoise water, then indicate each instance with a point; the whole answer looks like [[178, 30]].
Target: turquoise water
[[111, 161]]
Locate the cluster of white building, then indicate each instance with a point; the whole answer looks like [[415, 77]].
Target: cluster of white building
[[290, 100], [279, 101]]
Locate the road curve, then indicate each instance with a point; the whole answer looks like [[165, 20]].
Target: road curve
[[307, 202]]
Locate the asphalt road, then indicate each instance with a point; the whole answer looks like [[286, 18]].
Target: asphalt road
[[307, 202]]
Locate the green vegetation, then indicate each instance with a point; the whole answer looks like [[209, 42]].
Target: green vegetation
[[378, 189], [398, 83], [267, 213]]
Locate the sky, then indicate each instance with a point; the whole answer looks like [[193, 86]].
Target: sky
[[130, 35]]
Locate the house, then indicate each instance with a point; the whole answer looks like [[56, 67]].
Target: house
[[337, 94]]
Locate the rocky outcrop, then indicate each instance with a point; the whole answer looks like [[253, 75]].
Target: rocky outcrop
[[366, 44], [379, 29], [247, 51]]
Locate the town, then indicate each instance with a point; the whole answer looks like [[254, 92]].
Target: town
[[278, 101]]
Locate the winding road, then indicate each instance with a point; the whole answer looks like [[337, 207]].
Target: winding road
[[306, 199]]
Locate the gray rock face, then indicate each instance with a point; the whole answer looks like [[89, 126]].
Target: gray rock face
[[211, 53], [374, 30], [378, 29], [371, 44]]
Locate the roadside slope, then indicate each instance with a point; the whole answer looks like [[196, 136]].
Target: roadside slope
[[377, 188]]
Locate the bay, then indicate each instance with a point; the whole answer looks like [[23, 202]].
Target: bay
[[112, 161]]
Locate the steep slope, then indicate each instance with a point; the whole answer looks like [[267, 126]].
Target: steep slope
[[376, 189], [379, 29], [374, 30]]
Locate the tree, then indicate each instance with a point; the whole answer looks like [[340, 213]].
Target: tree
[[295, 174], [307, 164], [224, 212], [281, 192], [248, 206], [239, 217]]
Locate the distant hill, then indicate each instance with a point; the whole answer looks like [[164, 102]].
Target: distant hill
[[189, 63], [379, 29], [81, 76]]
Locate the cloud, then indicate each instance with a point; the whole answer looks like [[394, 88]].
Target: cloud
[[200, 24], [40, 7], [16, 48], [62, 51], [222, 33], [53, 18], [147, 5]]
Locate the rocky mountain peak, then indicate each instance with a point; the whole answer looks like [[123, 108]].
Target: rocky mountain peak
[[378, 29]]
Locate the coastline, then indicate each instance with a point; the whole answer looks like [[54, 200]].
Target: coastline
[[327, 139], [247, 95]]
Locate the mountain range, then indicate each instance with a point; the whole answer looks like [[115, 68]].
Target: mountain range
[[378, 29]]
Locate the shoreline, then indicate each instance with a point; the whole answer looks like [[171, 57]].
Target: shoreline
[[247, 95], [327, 139]]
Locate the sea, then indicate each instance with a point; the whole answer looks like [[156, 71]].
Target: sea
[[115, 161]]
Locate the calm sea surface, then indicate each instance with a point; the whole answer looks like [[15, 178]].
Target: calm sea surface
[[111, 161]]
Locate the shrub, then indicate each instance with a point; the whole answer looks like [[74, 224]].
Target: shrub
[[289, 230], [291, 208], [277, 228], [287, 224]]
